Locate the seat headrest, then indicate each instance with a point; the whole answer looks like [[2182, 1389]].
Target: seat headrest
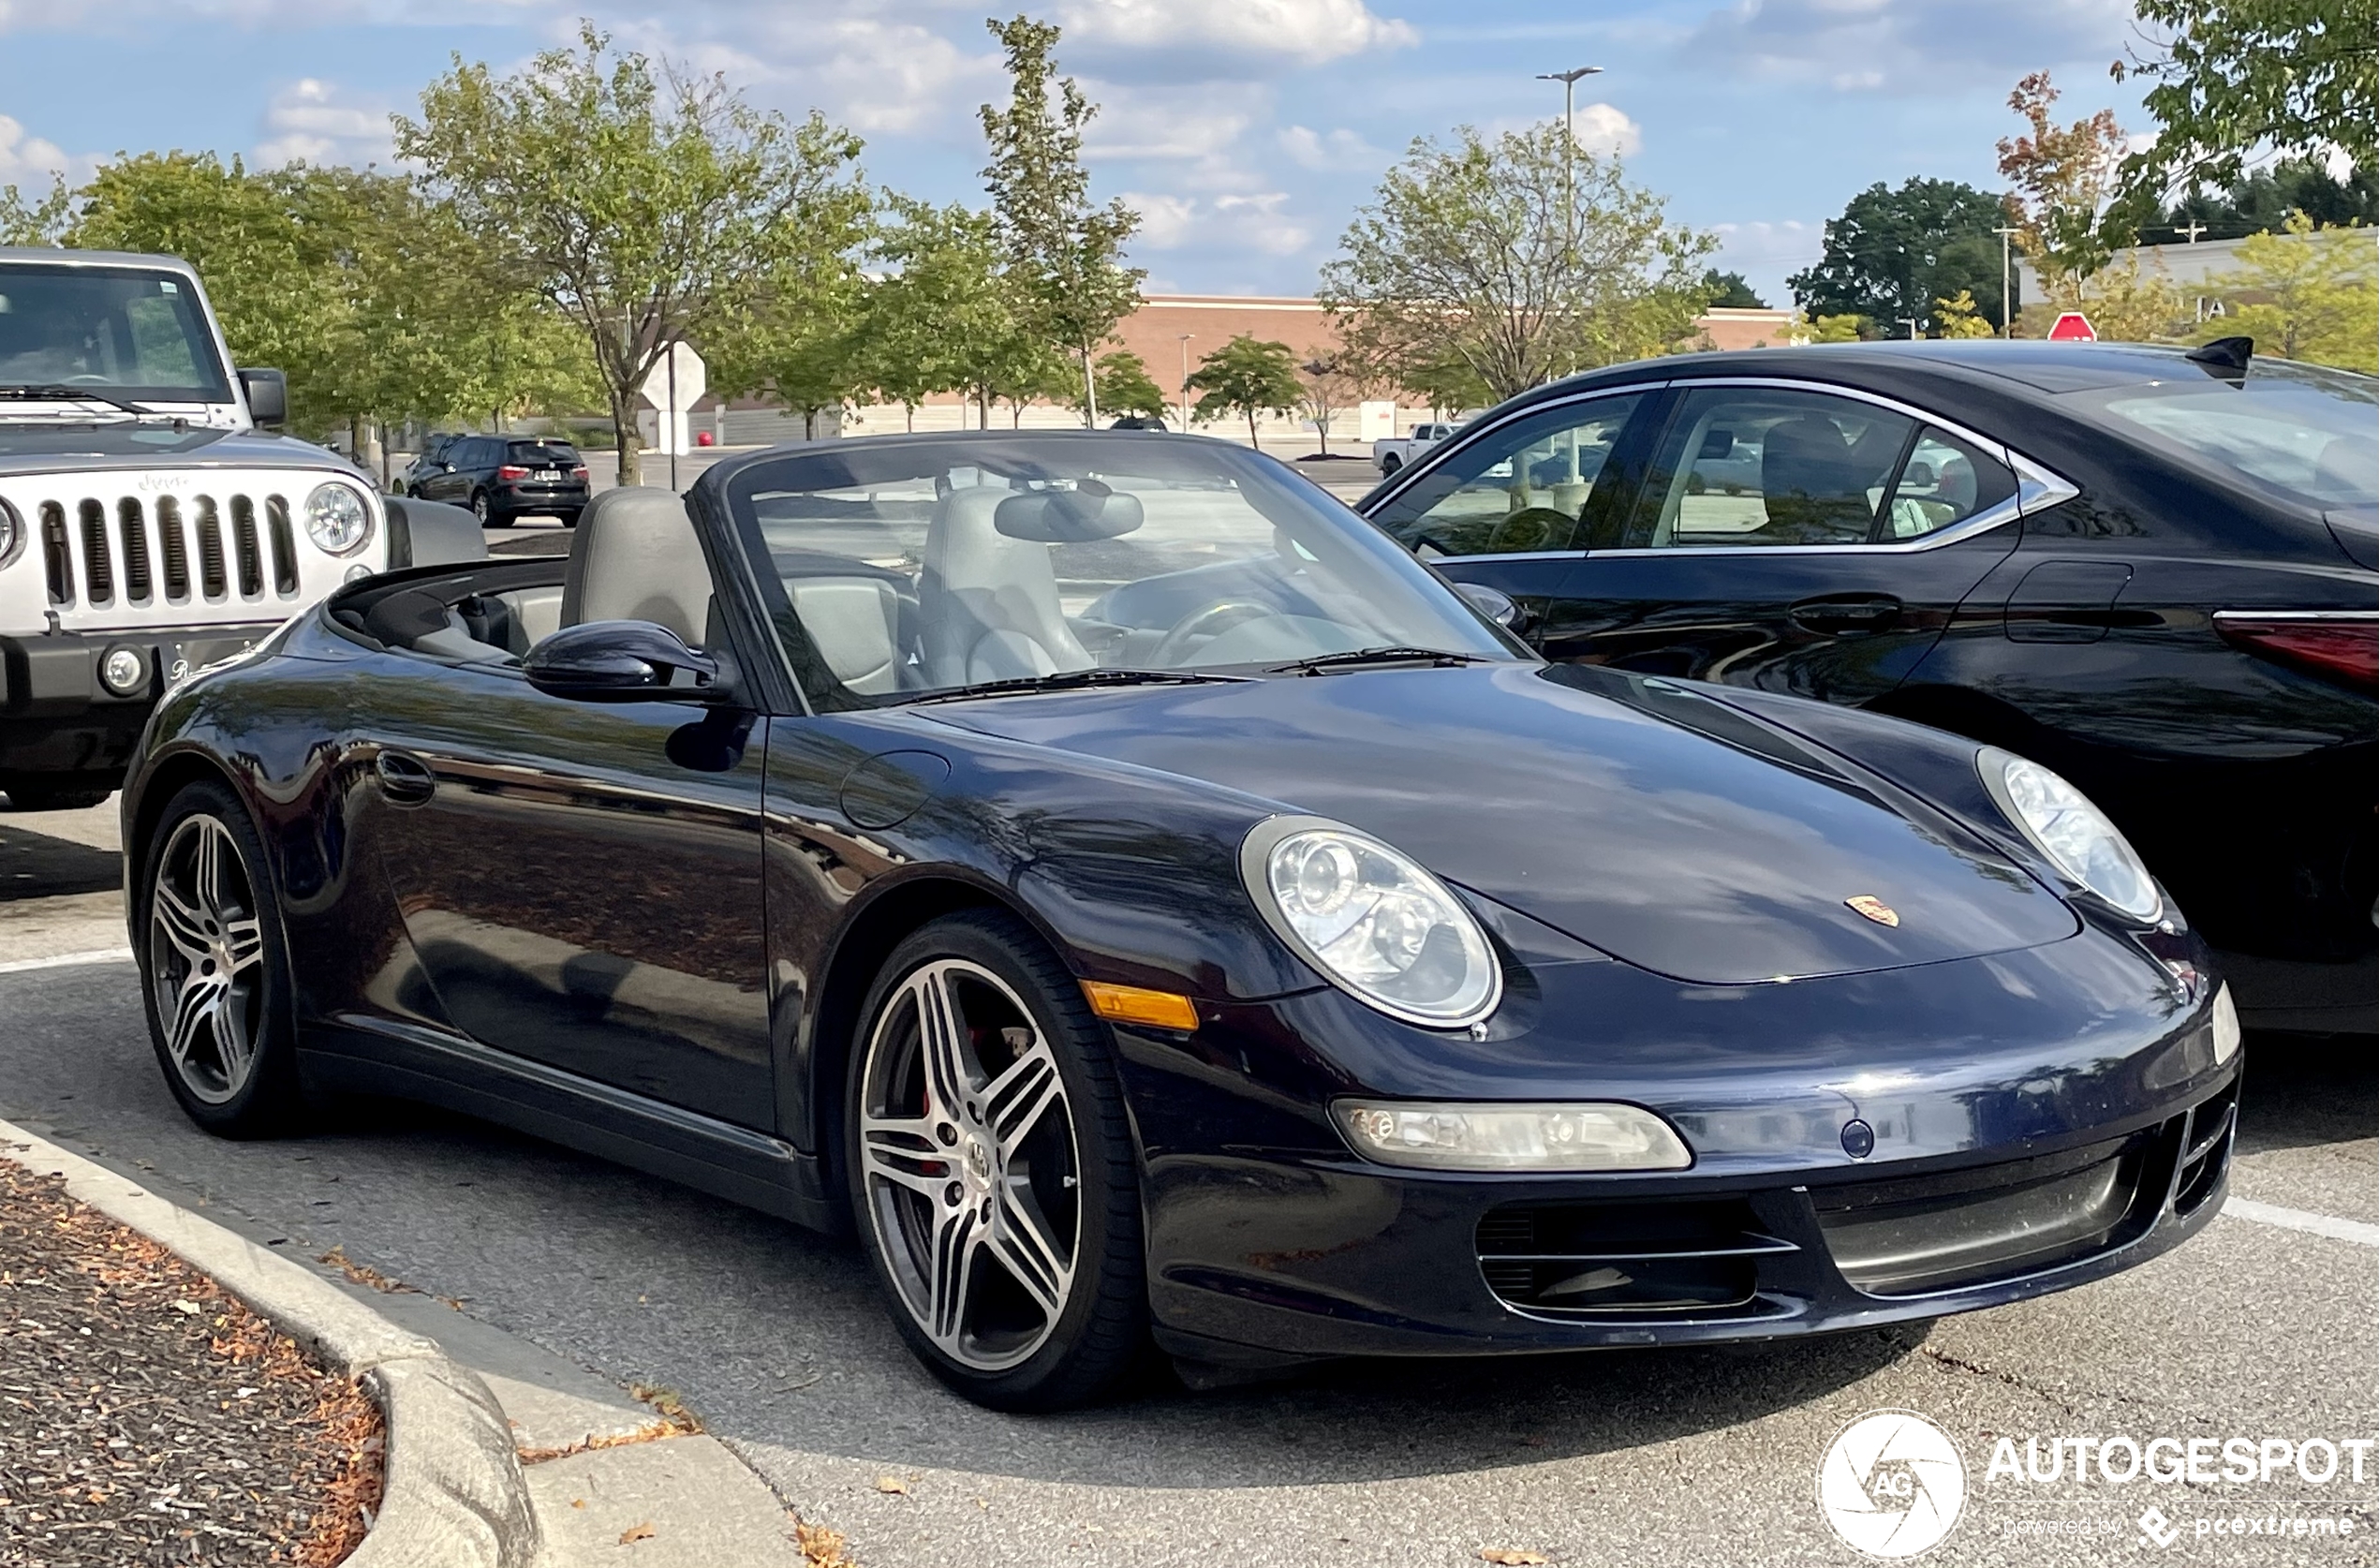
[[1810, 479], [636, 557]]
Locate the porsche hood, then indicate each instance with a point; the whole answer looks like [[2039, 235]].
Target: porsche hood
[[1693, 842]]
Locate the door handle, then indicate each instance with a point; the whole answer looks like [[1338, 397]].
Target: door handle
[[405, 778], [1849, 617]]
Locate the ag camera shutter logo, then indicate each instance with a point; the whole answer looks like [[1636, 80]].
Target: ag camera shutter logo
[[1891, 1484]]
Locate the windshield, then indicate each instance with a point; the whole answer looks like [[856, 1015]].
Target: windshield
[[2310, 433], [122, 331], [922, 565]]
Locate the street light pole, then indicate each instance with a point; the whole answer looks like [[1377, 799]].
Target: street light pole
[[2006, 290], [1184, 379], [1569, 80]]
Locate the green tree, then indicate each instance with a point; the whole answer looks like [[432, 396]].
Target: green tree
[[1524, 257], [1840, 329], [802, 336], [1958, 316], [1892, 253], [1730, 291], [1063, 249], [2261, 200], [2232, 77], [645, 207], [1125, 387], [2063, 178], [2304, 293], [1327, 382], [34, 220], [1247, 376]]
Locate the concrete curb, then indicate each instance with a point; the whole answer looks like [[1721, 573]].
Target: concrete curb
[[455, 1497]]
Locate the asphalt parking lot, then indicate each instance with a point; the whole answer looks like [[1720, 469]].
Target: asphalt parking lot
[[2267, 1327]]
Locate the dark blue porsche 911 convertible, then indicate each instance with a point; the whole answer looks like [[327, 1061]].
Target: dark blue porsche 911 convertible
[[1147, 905]]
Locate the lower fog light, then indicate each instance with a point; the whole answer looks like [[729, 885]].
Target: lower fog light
[[1591, 1136], [124, 670]]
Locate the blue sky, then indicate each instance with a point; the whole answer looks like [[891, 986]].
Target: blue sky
[[1245, 130]]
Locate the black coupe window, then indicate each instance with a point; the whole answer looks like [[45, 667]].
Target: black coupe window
[[1757, 465], [908, 567], [1531, 487]]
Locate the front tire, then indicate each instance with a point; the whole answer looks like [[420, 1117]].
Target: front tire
[[1389, 465], [482, 510], [215, 967], [992, 1171]]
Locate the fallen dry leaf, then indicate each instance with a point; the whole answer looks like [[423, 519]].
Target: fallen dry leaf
[[892, 1484], [636, 1532], [1512, 1556], [821, 1548]]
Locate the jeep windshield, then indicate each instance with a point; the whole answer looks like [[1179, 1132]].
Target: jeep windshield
[[115, 334]]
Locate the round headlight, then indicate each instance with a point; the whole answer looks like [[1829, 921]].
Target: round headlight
[[2071, 833], [1372, 921], [11, 532], [336, 519]]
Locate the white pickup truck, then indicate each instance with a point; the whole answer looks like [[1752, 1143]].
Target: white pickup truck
[[1395, 451], [148, 525]]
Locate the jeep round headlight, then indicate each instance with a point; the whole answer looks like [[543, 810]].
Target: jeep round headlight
[[2074, 835], [11, 532], [336, 519], [1372, 921]]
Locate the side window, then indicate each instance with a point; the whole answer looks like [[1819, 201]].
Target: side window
[[1524, 488], [1946, 481], [1756, 465]]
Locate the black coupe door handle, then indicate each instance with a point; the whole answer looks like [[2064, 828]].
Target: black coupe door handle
[[406, 779], [1847, 615]]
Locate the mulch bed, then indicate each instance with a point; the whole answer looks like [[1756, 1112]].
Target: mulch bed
[[148, 1417]]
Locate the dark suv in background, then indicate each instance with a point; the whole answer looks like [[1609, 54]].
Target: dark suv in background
[[501, 478]]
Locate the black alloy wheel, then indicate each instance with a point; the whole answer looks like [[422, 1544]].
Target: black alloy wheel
[[215, 967], [992, 1169]]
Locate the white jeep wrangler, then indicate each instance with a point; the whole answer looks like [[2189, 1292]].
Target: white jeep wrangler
[[148, 525]]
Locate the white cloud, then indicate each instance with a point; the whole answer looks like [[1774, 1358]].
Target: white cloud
[[312, 120], [1906, 46], [1766, 253], [1184, 36], [1257, 221], [1338, 150], [30, 161], [875, 76], [1166, 222], [1602, 130]]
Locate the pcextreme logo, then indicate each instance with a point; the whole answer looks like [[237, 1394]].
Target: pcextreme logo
[[1891, 1484]]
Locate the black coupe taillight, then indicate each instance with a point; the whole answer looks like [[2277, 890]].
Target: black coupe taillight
[[2340, 644]]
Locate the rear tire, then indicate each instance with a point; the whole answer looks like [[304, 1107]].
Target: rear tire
[[485, 512], [568, 519], [215, 967], [1389, 465], [991, 1168]]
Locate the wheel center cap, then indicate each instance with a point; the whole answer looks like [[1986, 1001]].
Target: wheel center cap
[[978, 1163]]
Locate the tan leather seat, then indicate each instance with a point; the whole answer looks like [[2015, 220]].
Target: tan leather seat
[[636, 557], [987, 603]]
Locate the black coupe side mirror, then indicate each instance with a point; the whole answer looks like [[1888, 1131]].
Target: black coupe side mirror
[[267, 395], [1494, 604], [621, 662]]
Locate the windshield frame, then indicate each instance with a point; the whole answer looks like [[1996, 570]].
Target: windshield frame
[[2273, 374], [1059, 454], [202, 333]]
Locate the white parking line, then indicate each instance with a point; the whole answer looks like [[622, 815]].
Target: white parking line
[[62, 960], [2303, 1219]]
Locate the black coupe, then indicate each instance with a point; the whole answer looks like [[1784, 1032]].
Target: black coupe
[[1145, 904], [2156, 572]]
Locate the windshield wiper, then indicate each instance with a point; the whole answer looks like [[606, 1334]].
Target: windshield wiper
[[59, 393], [1073, 680], [1321, 664]]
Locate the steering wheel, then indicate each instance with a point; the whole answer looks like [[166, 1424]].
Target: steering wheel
[[1209, 620], [1531, 528]]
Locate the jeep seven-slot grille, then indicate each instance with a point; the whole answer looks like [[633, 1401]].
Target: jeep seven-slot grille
[[199, 549]]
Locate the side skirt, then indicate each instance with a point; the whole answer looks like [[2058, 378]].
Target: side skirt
[[358, 1054]]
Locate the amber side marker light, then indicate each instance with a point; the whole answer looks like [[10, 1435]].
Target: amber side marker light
[[1129, 1004]]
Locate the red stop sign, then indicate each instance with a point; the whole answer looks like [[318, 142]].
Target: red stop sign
[[2073, 327]]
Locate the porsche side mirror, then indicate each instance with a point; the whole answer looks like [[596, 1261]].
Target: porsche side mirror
[[1494, 604], [621, 662]]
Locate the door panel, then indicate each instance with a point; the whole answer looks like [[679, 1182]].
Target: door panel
[[581, 881], [1790, 540]]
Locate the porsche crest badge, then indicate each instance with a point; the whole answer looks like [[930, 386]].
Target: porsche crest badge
[[1873, 909]]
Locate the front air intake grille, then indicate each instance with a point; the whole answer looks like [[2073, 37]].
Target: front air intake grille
[[98, 566], [1600, 1261], [2205, 1150], [173, 552], [284, 566], [57, 554], [132, 533], [214, 579], [251, 558], [1971, 1227]]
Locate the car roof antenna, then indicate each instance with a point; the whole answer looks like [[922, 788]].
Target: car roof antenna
[[2226, 357]]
